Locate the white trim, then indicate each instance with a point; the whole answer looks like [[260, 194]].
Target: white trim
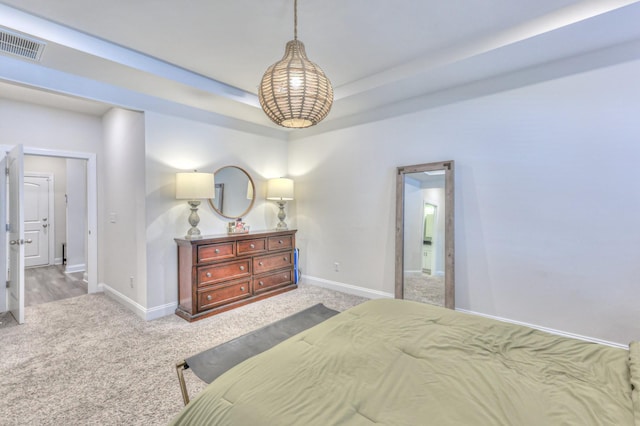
[[549, 330], [375, 294], [161, 311], [57, 261], [146, 314], [346, 288], [69, 269], [4, 291], [68, 37], [138, 309]]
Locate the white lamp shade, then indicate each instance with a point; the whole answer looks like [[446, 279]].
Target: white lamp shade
[[194, 186], [280, 189]]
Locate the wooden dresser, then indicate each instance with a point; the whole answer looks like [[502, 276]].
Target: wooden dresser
[[218, 273]]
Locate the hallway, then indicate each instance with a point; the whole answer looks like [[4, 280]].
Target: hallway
[[50, 283]]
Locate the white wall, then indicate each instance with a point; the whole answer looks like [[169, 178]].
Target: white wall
[[546, 196], [436, 197], [174, 144], [76, 215], [122, 225], [413, 219], [51, 129], [546, 201]]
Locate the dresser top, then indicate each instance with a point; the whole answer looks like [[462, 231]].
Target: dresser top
[[207, 239]]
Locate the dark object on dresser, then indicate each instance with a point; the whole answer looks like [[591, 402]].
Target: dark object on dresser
[[219, 273]]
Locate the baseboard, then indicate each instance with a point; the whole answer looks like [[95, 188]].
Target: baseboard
[[161, 311], [346, 288], [146, 314], [549, 330], [375, 294], [70, 269]]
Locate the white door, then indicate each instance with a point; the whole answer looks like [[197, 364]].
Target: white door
[[16, 233], [37, 226], [3, 232]]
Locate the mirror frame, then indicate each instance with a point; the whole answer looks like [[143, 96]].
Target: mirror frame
[[253, 200], [449, 243]]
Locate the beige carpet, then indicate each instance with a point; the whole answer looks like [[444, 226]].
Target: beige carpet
[[421, 287], [90, 361]]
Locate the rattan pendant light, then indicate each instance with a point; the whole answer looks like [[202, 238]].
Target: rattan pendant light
[[294, 92]]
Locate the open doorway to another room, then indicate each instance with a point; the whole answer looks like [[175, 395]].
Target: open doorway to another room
[[55, 212]]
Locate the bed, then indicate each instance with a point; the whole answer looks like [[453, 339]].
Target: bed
[[396, 362]]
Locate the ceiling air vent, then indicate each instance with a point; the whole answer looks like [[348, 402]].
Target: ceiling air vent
[[20, 45]]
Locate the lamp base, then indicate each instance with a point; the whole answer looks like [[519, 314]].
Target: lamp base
[[193, 233], [282, 226]]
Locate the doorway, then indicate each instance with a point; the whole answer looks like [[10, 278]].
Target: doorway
[[90, 203], [55, 222]]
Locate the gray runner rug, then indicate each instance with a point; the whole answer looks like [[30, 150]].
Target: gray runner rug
[[210, 364]]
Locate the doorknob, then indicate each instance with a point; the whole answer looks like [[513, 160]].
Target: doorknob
[[44, 225], [14, 242], [18, 242], [28, 241]]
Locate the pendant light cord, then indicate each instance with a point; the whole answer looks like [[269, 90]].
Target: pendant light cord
[[295, 19]]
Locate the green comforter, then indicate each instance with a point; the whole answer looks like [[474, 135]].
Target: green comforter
[[393, 362]]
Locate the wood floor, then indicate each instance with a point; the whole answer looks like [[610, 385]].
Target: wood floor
[[49, 283]]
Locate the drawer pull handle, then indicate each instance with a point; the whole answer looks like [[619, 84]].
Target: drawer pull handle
[[280, 241], [252, 246], [242, 268], [209, 297], [217, 251], [208, 274], [241, 288], [260, 283], [260, 263], [286, 276], [286, 259]]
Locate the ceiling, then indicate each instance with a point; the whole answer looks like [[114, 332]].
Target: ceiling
[[206, 57]]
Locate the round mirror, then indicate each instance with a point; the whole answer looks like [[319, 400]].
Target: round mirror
[[235, 192]]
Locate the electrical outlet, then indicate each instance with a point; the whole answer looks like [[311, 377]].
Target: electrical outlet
[[131, 281], [336, 266]]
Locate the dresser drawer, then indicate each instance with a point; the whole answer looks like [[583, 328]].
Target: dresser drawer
[[220, 295], [272, 262], [280, 242], [216, 273], [216, 252], [208, 275], [269, 281], [252, 246]]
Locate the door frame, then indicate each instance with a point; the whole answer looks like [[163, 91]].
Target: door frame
[[4, 248], [50, 213], [16, 232], [92, 205]]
